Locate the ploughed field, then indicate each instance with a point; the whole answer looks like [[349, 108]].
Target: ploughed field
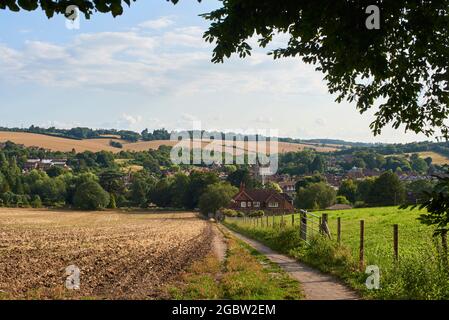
[[128, 255]]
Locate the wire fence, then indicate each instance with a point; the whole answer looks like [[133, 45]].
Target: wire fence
[[378, 242]]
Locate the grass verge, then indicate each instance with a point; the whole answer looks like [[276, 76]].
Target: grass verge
[[244, 275]]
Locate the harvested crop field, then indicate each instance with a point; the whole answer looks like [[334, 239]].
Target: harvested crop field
[[55, 143], [120, 255]]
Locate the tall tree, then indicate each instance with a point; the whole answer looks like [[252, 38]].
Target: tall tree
[[240, 176], [199, 181], [387, 190], [216, 196], [317, 164], [180, 191], [315, 196], [91, 196], [348, 189]]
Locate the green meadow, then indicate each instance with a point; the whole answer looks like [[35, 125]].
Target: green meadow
[[421, 271]]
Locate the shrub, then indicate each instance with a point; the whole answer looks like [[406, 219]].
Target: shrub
[[359, 204], [256, 213], [229, 213], [115, 144], [112, 203], [90, 196], [341, 200], [23, 201], [36, 202]]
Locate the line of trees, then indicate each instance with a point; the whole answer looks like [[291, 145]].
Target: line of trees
[[98, 181], [385, 190]]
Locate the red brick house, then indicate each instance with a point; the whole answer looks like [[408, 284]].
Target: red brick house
[[267, 200]]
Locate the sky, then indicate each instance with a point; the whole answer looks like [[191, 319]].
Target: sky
[[150, 68]]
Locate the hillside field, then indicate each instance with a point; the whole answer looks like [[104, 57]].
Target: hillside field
[[437, 158], [55, 143], [418, 275]]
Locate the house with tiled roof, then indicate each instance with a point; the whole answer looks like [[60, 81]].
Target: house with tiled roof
[[267, 200], [288, 187]]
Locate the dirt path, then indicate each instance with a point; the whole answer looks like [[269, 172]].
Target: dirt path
[[316, 285], [219, 245]]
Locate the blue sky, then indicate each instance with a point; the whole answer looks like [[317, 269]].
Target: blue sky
[[150, 68]]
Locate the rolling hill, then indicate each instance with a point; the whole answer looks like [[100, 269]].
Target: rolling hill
[[56, 143]]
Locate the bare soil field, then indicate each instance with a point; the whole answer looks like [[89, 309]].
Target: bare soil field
[[95, 145], [120, 255]]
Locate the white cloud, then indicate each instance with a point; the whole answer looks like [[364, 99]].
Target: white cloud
[[161, 23], [132, 120], [264, 120], [320, 122], [45, 51], [175, 62]]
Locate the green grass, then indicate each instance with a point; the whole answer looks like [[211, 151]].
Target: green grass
[[420, 273], [245, 275]]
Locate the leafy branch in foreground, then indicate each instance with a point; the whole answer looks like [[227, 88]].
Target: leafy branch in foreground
[[437, 206]]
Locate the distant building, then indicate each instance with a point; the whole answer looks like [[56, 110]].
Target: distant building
[[333, 180], [44, 164], [413, 176], [288, 187], [262, 199], [355, 173], [371, 173], [31, 164]]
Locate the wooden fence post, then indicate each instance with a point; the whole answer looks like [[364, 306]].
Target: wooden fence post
[[444, 245], [324, 228], [303, 226], [339, 230], [293, 219], [396, 242], [273, 222], [362, 245], [267, 222]]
